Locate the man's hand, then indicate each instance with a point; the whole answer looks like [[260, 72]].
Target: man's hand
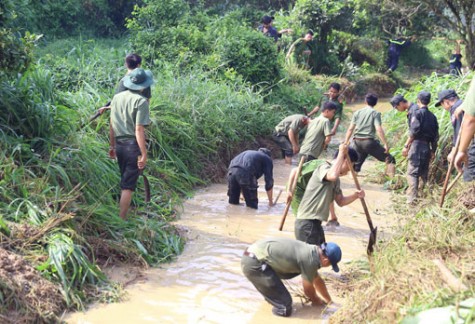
[[458, 112], [318, 302], [405, 152], [295, 149], [386, 148], [360, 193], [289, 197], [142, 161], [451, 155], [460, 159], [342, 148]]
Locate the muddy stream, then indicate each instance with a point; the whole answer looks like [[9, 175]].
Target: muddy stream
[[205, 283]]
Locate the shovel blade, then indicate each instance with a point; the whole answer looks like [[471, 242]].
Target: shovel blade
[[372, 241]]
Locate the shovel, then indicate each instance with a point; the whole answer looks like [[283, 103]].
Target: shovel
[[446, 189], [294, 185], [372, 235]]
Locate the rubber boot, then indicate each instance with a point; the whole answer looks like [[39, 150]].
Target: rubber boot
[[391, 170]]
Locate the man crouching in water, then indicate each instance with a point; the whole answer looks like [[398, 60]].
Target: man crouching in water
[[266, 262]]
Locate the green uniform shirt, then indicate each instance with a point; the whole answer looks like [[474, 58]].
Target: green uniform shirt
[[293, 122], [317, 130], [339, 107], [468, 105], [318, 195], [128, 109], [305, 175], [366, 120], [288, 257]]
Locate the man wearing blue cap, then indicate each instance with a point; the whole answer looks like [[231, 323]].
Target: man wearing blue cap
[[421, 145], [129, 116], [266, 262]]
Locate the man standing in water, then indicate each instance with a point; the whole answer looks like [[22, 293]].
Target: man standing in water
[[321, 190], [244, 170], [421, 145], [366, 123], [286, 135], [266, 262], [129, 116]]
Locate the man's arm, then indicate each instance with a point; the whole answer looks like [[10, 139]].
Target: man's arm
[[466, 137], [335, 127], [310, 292], [381, 135], [346, 200], [268, 178], [140, 136], [349, 132], [334, 172], [294, 141]]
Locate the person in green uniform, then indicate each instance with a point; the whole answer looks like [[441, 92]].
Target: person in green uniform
[[286, 135], [303, 52], [468, 128], [321, 190], [318, 133], [365, 124], [266, 262], [333, 95], [129, 115]]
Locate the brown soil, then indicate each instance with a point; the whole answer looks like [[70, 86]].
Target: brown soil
[[27, 296]]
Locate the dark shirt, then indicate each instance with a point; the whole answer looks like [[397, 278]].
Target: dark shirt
[[424, 127], [412, 109], [396, 45], [456, 122], [455, 62], [271, 32], [257, 164]]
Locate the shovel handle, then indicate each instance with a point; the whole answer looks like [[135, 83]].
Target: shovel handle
[[294, 185], [357, 184], [445, 190]]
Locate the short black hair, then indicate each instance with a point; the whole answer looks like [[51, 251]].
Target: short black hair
[[335, 86], [351, 152], [309, 32], [371, 99], [329, 106], [133, 61], [266, 151]]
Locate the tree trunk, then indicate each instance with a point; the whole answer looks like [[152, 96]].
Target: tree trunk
[[470, 50]]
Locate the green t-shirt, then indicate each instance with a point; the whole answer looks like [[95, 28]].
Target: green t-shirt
[[305, 175], [288, 257], [318, 195], [339, 108], [366, 120], [317, 130], [468, 105], [128, 109], [293, 122]]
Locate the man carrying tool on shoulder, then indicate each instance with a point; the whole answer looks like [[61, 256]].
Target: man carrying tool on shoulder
[[322, 189], [266, 262], [129, 115]]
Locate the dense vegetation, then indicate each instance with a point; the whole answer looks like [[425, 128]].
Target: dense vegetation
[[221, 87]]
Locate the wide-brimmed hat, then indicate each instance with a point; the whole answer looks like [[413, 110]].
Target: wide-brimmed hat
[[333, 253], [138, 79], [445, 94]]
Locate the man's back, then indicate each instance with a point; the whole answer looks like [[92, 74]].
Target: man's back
[[128, 109], [365, 121]]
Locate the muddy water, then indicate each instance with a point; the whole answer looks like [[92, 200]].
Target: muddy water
[[205, 284]]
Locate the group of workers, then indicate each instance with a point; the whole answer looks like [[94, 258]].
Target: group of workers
[[268, 261]]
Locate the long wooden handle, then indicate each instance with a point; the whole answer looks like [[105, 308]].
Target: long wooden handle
[[451, 165], [294, 185], [357, 184]]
